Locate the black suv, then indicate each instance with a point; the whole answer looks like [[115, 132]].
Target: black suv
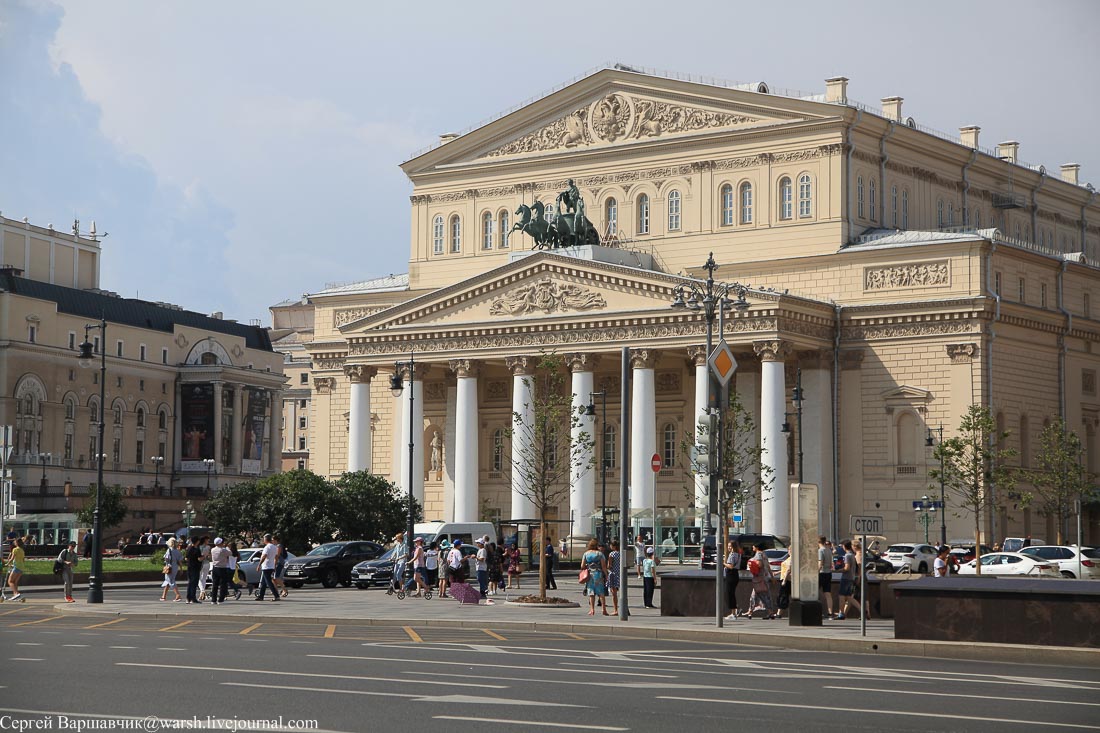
[[329, 564], [768, 541]]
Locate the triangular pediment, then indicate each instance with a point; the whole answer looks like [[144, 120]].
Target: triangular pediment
[[615, 108], [906, 393]]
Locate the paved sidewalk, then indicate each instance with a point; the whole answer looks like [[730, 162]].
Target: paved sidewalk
[[375, 608]]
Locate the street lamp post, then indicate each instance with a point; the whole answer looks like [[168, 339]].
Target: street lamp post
[[926, 509], [86, 358], [44, 458], [711, 299], [591, 411], [943, 498], [209, 463], [158, 461], [796, 399], [397, 386], [188, 515]]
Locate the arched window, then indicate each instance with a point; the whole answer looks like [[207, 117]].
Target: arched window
[[859, 196], [610, 447], [746, 203], [70, 408], [805, 195], [894, 206], [1025, 443], [908, 439], [456, 234], [486, 230], [674, 211], [939, 212], [1017, 230], [162, 420], [786, 195], [118, 414], [873, 200], [504, 230], [950, 213], [643, 214], [977, 218], [498, 450], [611, 216], [141, 417], [437, 235], [904, 209], [726, 204], [671, 444], [93, 410]]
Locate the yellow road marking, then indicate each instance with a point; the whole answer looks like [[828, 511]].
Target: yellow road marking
[[494, 635], [578, 637], [250, 629], [9, 613], [412, 634], [177, 626], [330, 631], [106, 623], [39, 621]]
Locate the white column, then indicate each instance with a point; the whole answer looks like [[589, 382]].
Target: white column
[[698, 357], [817, 429], [359, 439], [748, 393], [773, 401], [466, 448], [643, 429], [449, 452], [582, 478], [523, 420], [412, 423]]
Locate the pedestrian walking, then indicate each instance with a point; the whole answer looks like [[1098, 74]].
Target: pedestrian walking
[[481, 565], [639, 554], [761, 597], [496, 570], [88, 544], [548, 558], [194, 567], [420, 569], [204, 547], [235, 581], [731, 576], [267, 568], [280, 565], [16, 564], [649, 577], [68, 559], [172, 558], [564, 548], [431, 564], [219, 567], [444, 576], [594, 575], [515, 567], [825, 574], [784, 600], [847, 582], [614, 573]]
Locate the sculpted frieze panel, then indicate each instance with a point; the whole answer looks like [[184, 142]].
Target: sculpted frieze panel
[[902, 330], [323, 364], [546, 296], [668, 383], [496, 390], [915, 275], [347, 315]]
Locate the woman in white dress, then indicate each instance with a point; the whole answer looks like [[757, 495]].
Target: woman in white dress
[[172, 559]]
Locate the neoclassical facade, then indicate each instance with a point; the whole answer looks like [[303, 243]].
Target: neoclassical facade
[[904, 275]]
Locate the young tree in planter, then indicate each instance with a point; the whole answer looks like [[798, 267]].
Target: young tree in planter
[[1060, 479], [973, 462], [111, 512], [543, 456]]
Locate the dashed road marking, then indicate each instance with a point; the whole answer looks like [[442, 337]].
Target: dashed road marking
[[106, 623], [26, 659], [532, 723], [412, 634], [250, 629], [176, 626], [124, 647], [330, 631], [495, 635], [38, 621]]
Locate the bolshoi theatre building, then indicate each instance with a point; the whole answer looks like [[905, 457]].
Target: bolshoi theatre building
[[902, 273]]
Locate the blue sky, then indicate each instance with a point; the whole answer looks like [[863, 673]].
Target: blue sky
[[242, 153]]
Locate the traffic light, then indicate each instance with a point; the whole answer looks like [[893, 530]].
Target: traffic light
[[706, 444]]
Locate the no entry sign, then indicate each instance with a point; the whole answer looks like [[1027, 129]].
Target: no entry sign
[[655, 463]]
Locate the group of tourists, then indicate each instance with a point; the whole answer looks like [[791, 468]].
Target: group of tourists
[[213, 571], [492, 564], [602, 573]]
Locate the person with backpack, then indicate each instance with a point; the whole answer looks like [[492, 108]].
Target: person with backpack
[[67, 561], [761, 597]]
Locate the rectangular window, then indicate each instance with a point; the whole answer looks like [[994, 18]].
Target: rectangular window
[[116, 450], [72, 375], [302, 404], [118, 348], [72, 341], [303, 378], [118, 382], [301, 443], [301, 423], [1042, 295], [139, 453], [141, 350], [164, 356], [95, 377], [68, 447], [95, 344], [162, 449], [141, 385], [1023, 290], [997, 283], [32, 333]]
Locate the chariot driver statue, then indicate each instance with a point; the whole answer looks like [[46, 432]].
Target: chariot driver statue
[[569, 228]]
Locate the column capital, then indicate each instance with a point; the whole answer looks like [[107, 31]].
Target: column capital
[[697, 355], [851, 359], [581, 362], [421, 369], [360, 373], [772, 350], [465, 367], [962, 353], [520, 366], [643, 358], [817, 359], [324, 385]]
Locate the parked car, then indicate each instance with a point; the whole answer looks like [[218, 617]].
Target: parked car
[[249, 564], [963, 551], [915, 558], [770, 542], [1015, 544], [378, 571], [1066, 560], [329, 564], [1011, 563], [776, 558]]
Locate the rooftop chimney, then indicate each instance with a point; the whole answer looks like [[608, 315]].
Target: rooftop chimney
[[891, 108], [969, 135], [1070, 173], [447, 137], [1008, 150], [836, 90]]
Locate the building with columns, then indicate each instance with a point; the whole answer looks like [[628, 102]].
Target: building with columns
[[902, 273]]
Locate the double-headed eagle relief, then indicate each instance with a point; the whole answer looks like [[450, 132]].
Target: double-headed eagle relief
[[569, 227]]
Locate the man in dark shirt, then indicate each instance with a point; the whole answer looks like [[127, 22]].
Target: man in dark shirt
[[548, 558], [194, 570]]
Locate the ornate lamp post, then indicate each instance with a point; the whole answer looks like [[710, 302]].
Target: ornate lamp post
[[943, 498], [591, 411], [44, 458], [397, 386], [209, 463], [712, 300], [188, 515], [926, 510], [158, 461], [86, 358]]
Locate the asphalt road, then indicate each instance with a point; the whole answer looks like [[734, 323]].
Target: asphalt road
[[356, 678]]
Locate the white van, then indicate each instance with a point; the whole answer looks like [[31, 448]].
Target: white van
[[451, 531]]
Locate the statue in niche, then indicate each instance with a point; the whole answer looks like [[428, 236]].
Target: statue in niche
[[437, 452]]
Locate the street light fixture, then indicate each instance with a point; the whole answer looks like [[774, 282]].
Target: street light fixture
[[209, 463], [591, 412], [158, 461], [943, 498], [188, 515], [926, 510], [712, 300], [44, 458], [397, 386], [86, 358], [796, 400]]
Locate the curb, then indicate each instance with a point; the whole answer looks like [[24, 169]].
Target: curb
[[970, 651]]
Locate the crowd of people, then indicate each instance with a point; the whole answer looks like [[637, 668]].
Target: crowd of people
[[213, 572]]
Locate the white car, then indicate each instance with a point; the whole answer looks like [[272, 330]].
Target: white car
[[1011, 563], [1066, 560], [911, 558]]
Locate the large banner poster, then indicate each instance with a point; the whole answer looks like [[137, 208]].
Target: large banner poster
[[256, 403], [197, 409]]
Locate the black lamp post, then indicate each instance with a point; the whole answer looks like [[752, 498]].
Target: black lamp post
[[943, 498], [397, 386], [44, 458], [86, 357], [711, 299], [591, 411], [796, 399], [209, 463], [925, 509], [158, 461]]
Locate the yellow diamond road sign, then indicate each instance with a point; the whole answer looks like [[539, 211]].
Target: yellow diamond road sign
[[722, 363]]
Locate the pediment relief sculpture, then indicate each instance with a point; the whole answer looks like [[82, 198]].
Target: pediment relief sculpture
[[615, 117], [546, 296]]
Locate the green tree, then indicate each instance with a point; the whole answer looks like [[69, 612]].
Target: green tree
[[111, 513], [973, 463], [234, 509], [1060, 479], [371, 508], [543, 454]]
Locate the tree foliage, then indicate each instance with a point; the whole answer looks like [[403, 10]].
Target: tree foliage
[[371, 508], [111, 513], [1060, 479], [973, 463]]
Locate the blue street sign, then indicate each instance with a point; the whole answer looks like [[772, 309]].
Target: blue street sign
[[738, 518]]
